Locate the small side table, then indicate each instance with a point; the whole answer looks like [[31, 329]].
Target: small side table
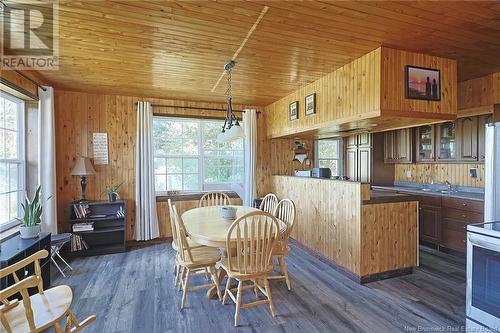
[[56, 243]]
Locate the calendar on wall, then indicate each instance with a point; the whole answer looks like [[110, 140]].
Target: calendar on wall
[[100, 143]]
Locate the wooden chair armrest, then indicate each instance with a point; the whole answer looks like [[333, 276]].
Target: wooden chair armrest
[[23, 263], [24, 284]]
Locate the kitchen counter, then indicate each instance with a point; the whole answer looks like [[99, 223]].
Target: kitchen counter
[[414, 190], [380, 196]]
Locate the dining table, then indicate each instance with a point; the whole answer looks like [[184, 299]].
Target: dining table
[[205, 226]]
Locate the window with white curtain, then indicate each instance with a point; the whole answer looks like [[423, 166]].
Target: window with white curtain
[[328, 154], [189, 158], [12, 160]]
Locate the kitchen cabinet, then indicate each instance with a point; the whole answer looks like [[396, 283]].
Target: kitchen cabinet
[[429, 223], [446, 146], [358, 157], [397, 146], [482, 121], [468, 137], [425, 143]]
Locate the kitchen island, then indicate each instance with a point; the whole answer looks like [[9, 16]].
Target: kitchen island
[[367, 235]]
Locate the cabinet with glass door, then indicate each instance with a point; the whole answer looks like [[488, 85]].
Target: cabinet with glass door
[[446, 141], [425, 143]]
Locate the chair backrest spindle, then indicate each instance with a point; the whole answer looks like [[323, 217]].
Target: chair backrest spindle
[[214, 198], [269, 203]]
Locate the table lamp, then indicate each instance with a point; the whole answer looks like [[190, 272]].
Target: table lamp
[[83, 168]]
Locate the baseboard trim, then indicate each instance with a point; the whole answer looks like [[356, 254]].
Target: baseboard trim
[[134, 243]]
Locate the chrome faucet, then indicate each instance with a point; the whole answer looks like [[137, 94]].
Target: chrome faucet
[[447, 183]]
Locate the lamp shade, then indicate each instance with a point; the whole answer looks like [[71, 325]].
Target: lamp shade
[[83, 167], [235, 132]]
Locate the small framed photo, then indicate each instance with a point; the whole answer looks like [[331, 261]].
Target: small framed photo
[[422, 83], [293, 108], [310, 103]]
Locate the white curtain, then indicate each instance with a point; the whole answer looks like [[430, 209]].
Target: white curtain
[[146, 219], [47, 159], [250, 126]]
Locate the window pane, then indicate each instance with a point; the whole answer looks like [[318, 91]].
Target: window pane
[[189, 147], [160, 182], [11, 115], [13, 177], [332, 164], [190, 165], [174, 165], [13, 197], [328, 148], [2, 143], [4, 178], [174, 182], [11, 145], [190, 182], [160, 165], [4, 208]]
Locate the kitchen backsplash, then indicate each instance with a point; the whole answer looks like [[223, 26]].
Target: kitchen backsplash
[[455, 173]]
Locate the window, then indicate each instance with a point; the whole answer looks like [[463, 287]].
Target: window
[[329, 155], [12, 161], [189, 158]]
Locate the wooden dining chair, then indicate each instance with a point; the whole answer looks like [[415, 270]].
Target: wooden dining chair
[[251, 238], [194, 259], [214, 198], [285, 212], [269, 203], [178, 269], [40, 311]]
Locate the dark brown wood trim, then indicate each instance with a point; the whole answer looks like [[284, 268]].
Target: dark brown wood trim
[[161, 240], [20, 90], [386, 275], [417, 114], [190, 196], [189, 116]]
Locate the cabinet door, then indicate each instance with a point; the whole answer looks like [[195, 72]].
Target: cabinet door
[[467, 132], [429, 221], [352, 141], [365, 140], [425, 143], [446, 142], [403, 145], [390, 147], [482, 121], [364, 165], [352, 163]]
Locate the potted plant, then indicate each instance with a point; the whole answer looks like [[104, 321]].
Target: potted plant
[[30, 227], [113, 192]]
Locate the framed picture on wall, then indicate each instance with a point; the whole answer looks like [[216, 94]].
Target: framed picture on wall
[[310, 103], [422, 83], [293, 108]]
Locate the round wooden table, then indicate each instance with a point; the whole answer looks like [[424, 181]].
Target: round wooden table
[[205, 226]]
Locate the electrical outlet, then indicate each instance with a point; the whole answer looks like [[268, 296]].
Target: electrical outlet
[[473, 172], [408, 173]]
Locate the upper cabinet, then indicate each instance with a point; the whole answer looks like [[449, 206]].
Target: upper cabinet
[[425, 143], [397, 146], [468, 147], [446, 142]]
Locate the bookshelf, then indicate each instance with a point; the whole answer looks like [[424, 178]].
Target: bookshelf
[[108, 234]]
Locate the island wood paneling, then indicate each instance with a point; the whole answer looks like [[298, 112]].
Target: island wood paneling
[[366, 95], [477, 96], [388, 237], [455, 173], [78, 115]]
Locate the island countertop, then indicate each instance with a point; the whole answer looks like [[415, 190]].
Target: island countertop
[[378, 197]]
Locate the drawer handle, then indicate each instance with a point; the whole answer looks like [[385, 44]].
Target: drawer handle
[[464, 204], [463, 241], [464, 216]]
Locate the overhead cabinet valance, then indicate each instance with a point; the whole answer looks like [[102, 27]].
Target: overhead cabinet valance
[[368, 94]]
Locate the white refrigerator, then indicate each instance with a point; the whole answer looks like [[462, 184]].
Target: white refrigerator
[[492, 173]]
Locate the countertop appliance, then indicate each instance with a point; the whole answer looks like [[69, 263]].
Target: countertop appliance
[[303, 173], [483, 247], [321, 173]]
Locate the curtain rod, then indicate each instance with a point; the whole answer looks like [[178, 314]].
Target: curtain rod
[[26, 77], [194, 108]]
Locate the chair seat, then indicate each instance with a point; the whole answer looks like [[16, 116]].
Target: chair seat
[[202, 256], [251, 271], [192, 244], [48, 308]]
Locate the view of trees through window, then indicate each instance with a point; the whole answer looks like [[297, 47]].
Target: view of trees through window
[[189, 158], [329, 155], [11, 159]]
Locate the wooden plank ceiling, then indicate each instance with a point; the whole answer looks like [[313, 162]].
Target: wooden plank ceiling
[[177, 49]]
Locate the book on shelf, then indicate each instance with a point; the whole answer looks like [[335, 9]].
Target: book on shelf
[[81, 210], [85, 226], [78, 243]]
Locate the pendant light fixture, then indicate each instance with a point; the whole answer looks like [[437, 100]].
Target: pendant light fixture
[[231, 130]]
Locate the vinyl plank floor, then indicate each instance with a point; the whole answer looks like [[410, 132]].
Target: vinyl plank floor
[[133, 292]]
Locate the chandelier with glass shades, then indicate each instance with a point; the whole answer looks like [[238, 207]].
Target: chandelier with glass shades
[[231, 129]]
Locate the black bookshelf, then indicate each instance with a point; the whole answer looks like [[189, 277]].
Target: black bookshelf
[[109, 234]]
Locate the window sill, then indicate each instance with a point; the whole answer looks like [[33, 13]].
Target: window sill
[[9, 233], [188, 196]]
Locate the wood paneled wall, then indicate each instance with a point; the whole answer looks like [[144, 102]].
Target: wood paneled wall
[[369, 88], [477, 96], [80, 114], [392, 82], [282, 156], [455, 173], [350, 92]]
